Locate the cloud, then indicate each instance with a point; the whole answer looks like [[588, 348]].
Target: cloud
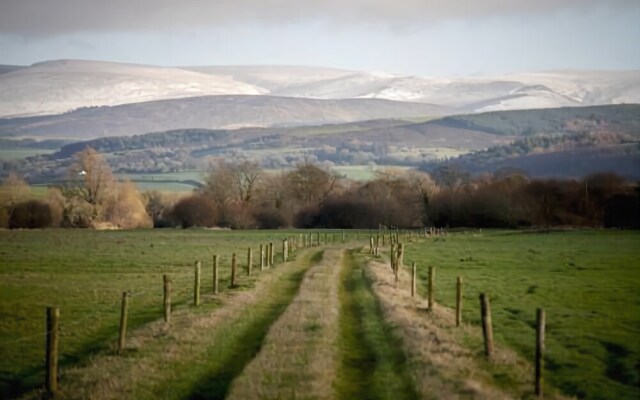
[[52, 17]]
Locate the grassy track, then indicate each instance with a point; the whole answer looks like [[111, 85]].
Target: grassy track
[[372, 363], [298, 357], [586, 280]]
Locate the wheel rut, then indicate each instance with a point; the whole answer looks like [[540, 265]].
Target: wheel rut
[[372, 364]]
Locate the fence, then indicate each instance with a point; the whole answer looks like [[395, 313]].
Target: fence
[[396, 253]]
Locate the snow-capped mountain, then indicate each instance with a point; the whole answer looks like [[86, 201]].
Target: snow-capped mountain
[[56, 87]]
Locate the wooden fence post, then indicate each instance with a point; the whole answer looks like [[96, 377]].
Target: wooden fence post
[[215, 274], [458, 300], [285, 250], [196, 284], [487, 329], [261, 257], [51, 362], [271, 255], [167, 297], [431, 285], [123, 322], [393, 257], [413, 279], [371, 245], [400, 258], [540, 325], [343, 237], [233, 270], [249, 261]]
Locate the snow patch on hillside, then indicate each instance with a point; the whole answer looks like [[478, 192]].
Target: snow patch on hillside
[[59, 86]]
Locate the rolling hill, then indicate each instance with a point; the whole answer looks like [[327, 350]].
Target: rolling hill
[[563, 142], [208, 112], [56, 87]]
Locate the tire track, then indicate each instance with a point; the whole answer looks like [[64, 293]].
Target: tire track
[[299, 355], [372, 365]]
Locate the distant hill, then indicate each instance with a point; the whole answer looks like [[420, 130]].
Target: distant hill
[[565, 142], [9, 68], [56, 87], [622, 159], [623, 118], [209, 112], [574, 141], [60, 86]]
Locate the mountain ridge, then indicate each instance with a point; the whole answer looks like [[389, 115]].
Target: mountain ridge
[[58, 86]]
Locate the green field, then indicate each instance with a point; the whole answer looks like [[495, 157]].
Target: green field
[[587, 282], [165, 182], [19, 153], [84, 272]]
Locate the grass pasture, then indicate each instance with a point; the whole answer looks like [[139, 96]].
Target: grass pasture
[[18, 153], [587, 281], [84, 272]]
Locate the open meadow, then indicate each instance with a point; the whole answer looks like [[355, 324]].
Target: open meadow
[[356, 334]]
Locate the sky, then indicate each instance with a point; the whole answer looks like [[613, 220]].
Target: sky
[[417, 37]]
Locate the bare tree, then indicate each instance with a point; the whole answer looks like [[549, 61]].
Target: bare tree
[[93, 182], [232, 187], [310, 184]]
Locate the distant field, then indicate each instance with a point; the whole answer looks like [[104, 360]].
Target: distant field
[[364, 172], [21, 152], [588, 283], [167, 182]]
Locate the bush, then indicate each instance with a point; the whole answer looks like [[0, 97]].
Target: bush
[[194, 210], [31, 214]]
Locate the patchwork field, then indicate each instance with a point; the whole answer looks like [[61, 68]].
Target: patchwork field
[[329, 323]]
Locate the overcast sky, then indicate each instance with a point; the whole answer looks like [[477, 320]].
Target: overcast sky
[[421, 37]]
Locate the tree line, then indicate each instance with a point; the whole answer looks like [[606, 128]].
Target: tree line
[[239, 194]]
